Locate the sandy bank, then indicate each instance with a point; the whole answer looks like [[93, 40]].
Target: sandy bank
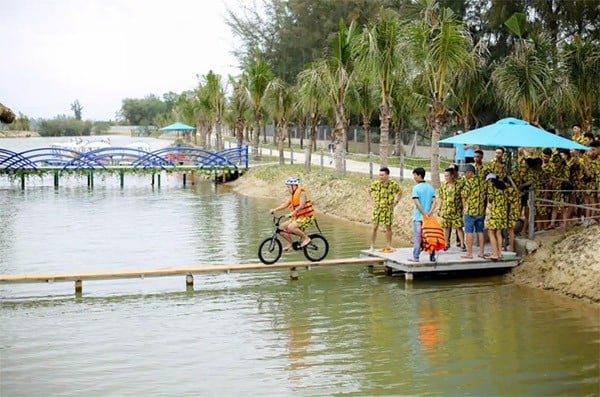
[[18, 134], [567, 264]]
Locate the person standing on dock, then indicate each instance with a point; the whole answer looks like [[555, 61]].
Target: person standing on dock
[[474, 200], [423, 195], [385, 194]]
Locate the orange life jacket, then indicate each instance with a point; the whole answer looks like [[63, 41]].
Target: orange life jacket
[[432, 235], [307, 210]]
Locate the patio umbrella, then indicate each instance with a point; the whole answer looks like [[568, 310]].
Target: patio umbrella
[[178, 127], [512, 132]]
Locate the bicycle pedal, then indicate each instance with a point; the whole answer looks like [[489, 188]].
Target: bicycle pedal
[[296, 246]]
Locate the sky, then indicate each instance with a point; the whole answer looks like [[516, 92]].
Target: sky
[[100, 52]]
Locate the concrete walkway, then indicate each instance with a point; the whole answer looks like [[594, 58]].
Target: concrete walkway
[[351, 165]]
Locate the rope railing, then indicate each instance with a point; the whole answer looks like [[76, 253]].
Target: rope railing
[[539, 201]]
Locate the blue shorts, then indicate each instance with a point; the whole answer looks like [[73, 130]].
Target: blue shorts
[[474, 224]]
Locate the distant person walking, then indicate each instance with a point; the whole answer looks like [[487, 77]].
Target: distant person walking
[[459, 152], [423, 195], [385, 194]]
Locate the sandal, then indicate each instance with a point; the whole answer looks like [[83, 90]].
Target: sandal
[[467, 256]]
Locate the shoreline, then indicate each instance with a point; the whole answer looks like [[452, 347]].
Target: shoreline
[[566, 264]]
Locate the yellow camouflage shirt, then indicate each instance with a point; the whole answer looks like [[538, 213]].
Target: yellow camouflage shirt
[[384, 194], [473, 193]]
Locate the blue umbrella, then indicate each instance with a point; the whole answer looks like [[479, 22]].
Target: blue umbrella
[[512, 132], [178, 127]]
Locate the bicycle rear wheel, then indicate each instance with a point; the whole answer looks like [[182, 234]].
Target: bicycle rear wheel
[[317, 249], [270, 250]]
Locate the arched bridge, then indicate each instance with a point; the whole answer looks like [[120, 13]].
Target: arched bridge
[[106, 158]]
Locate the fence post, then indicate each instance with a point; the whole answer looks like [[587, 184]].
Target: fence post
[[321, 159], [531, 220]]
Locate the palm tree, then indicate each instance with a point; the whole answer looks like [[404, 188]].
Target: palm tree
[[381, 58], [213, 95], [363, 100], [440, 48], [278, 102], [257, 77], [470, 90], [522, 81], [524, 78], [310, 97], [337, 73], [582, 63], [238, 109]]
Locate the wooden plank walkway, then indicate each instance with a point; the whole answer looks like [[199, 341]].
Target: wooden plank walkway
[[446, 261], [174, 271]]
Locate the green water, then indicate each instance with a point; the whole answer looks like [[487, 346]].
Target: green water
[[335, 331]]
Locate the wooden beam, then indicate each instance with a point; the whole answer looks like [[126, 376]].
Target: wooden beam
[[173, 271]]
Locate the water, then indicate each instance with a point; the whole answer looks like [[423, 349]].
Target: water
[[335, 331]]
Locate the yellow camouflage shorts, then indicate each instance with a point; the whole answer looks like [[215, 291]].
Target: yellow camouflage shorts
[[303, 223]]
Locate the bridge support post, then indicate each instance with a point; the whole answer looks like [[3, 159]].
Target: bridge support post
[[293, 274], [122, 178], [152, 180], [56, 179], [78, 287], [189, 282], [158, 180], [184, 177], [22, 181], [90, 179]]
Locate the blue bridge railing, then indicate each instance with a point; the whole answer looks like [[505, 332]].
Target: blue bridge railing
[[104, 158]]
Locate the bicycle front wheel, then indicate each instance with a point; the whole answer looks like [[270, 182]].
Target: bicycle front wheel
[[270, 250], [317, 249]]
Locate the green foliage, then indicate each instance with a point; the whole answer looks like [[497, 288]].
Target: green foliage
[[21, 123], [101, 127], [65, 126], [76, 108], [142, 111], [517, 24], [291, 34]]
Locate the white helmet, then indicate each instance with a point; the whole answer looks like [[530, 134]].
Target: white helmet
[[292, 180]]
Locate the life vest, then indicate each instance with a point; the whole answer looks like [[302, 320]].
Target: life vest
[[307, 210], [432, 235]]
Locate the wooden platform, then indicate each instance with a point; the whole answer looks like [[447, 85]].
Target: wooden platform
[[188, 272], [446, 261]]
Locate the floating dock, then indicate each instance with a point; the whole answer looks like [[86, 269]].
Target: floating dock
[[445, 261]]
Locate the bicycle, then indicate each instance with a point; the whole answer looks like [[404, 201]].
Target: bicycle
[[271, 249]]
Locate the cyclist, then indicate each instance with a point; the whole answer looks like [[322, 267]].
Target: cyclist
[[302, 213]]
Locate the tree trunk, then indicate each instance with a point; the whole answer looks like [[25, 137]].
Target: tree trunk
[[338, 135], [367, 131], [435, 124], [384, 117], [256, 137], [218, 133], [398, 146], [280, 139]]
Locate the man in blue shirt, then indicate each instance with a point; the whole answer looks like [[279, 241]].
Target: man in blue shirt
[[423, 195]]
